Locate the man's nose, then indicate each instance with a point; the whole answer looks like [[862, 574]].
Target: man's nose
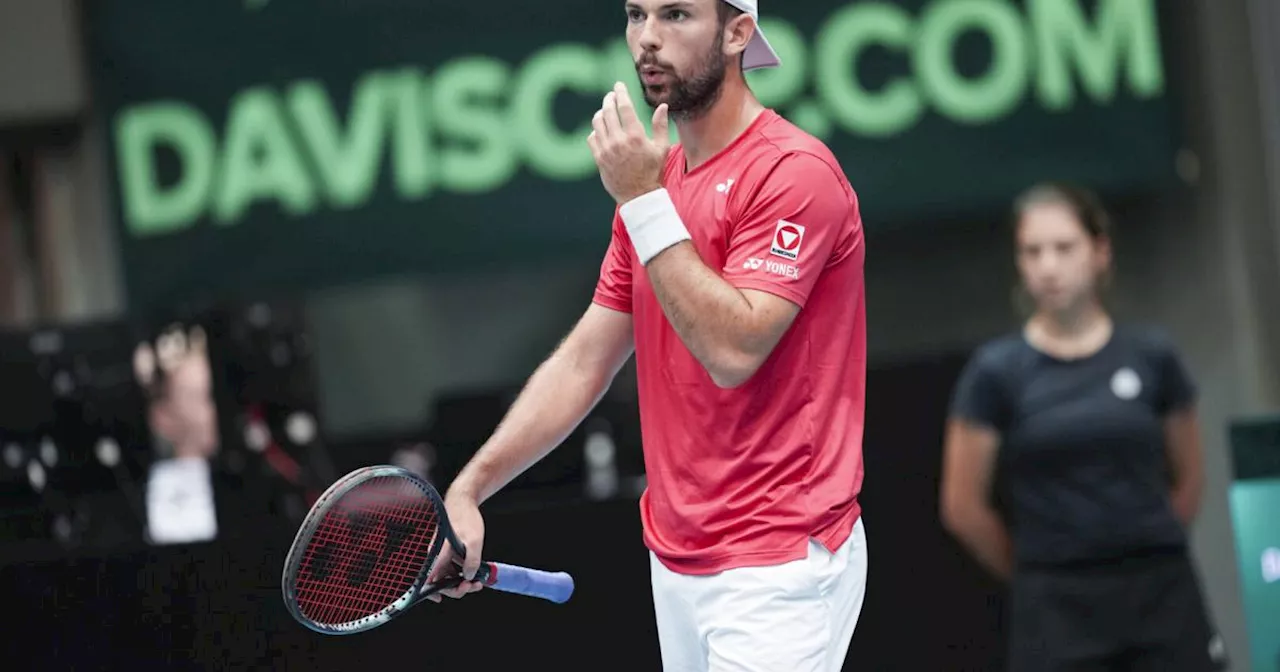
[[650, 39]]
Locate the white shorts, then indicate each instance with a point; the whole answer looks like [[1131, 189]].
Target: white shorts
[[794, 617]]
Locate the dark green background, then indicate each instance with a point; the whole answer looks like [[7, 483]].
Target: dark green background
[[203, 51]]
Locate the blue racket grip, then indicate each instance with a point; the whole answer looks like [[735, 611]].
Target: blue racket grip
[[554, 586]]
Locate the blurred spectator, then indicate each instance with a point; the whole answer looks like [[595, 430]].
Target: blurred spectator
[[178, 380], [183, 418]]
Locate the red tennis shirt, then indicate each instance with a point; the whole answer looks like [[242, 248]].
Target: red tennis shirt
[[746, 476]]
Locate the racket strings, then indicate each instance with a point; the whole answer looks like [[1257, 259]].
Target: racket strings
[[367, 552], [354, 571]]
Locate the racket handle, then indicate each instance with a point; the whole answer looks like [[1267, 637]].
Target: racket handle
[[553, 586]]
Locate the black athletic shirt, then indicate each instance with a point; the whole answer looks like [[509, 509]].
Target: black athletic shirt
[[1083, 472]]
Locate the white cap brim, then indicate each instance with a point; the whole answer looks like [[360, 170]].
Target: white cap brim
[[759, 53]]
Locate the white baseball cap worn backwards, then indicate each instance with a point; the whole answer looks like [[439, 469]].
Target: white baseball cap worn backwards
[[759, 53]]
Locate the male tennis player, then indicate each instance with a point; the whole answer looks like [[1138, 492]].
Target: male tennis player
[[735, 273]]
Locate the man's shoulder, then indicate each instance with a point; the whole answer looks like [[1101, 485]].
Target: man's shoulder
[[788, 141], [780, 151]]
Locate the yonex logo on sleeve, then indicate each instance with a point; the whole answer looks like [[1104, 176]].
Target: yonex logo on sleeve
[[786, 240], [774, 267]]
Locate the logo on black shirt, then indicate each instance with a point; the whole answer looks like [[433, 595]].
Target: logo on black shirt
[[1126, 384]]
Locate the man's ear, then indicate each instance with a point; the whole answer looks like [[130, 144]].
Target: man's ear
[[738, 32]]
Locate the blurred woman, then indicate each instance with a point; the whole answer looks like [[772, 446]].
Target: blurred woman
[[1091, 427]]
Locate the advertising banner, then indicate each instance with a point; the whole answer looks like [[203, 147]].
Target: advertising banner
[[285, 144]]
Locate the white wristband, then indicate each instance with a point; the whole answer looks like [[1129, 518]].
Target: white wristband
[[653, 224]]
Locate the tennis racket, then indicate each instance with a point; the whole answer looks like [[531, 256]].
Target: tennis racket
[[364, 552]]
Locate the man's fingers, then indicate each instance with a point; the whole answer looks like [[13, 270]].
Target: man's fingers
[[461, 590], [594, 143], [609, 112], [441, 561], [661, 128], [441, 568], [600, 133], [471, 563], [626, 110]]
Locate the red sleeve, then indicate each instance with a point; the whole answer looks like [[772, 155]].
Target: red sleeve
[[613, 290], [803, 218]]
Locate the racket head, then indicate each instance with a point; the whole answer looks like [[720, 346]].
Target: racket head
[[363, 553]]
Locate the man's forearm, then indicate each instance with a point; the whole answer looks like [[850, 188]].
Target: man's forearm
[[716, 321], [556, 399], [712, 317]]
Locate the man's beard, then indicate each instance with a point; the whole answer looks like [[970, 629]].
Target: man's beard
[[690, 97]]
